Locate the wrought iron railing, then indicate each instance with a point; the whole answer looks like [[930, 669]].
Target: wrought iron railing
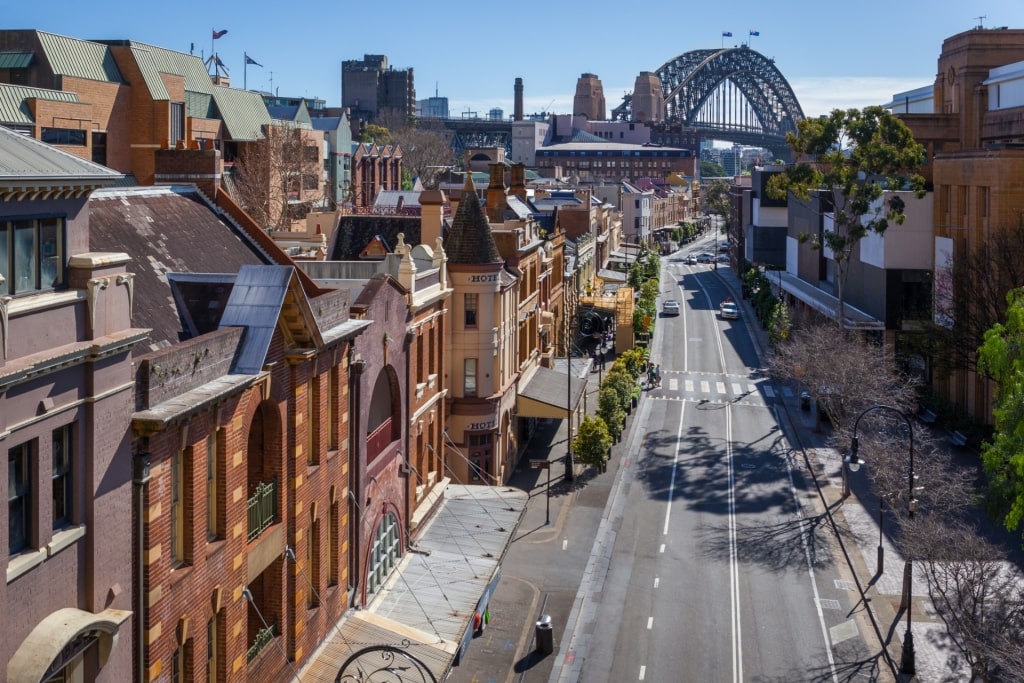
[[262, 508]]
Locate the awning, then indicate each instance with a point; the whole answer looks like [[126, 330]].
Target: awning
[[610, 276], [15, 60], [546, 393], [826, 304], [426, 608]]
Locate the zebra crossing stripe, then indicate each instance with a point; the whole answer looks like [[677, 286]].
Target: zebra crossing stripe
[[705, 386], [736, 388], [720, 387], [688, 385]]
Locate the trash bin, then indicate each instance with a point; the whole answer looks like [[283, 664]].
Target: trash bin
[[805, 401], [545, 635]]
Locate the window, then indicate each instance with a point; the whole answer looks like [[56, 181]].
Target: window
[[99, 148], [63, 136], [211, 650], [310, 419], [177, 510], [177, 122], [63, 481], [19, 497], [332, 419], [469, 382], [313, 563], [385, 552], [31, 255], [178, 663], [470, 302], [212, 518], [332, 544]]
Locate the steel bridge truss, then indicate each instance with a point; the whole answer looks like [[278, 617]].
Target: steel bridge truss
[[734, 94]]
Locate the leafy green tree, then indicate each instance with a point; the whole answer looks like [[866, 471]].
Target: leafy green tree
[[778, 323], [709, 169], [621, 382], [852, 157], [609, 409], [592, 442], [1002, 358], [716, 198], [372, 132]]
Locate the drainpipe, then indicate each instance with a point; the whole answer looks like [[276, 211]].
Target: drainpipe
[[140, 477], [410, 337]]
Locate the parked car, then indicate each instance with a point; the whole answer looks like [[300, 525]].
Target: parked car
[[729, 311], [670, 307], [705, 258], [690, 260]]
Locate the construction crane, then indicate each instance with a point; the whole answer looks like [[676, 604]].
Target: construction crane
[[548, 107]]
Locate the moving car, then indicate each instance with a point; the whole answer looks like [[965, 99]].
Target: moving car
[[729, 311], [690, 260], [670, 307], [705, 258]]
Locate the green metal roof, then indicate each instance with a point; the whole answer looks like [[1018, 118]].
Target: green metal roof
[[166, 61], [14, 108], [26, 159], [150, 74], [79, 58], [244, 113], [15, 60]]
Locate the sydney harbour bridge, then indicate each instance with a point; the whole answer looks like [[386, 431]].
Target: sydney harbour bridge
[[732, 94]]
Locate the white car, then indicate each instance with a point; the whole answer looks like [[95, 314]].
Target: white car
[[670, 307], [705, 258], [729, 310]]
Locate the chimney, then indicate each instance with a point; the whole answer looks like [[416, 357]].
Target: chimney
[[431, 215], [518, 110], [200, 167], [517, 183], [496, 201]]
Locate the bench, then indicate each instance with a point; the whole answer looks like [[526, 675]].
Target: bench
[[927, 416], [958, 438]]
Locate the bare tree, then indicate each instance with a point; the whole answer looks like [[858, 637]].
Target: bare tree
[[279, 179], [971, 295], [976, 592], [842, 374]]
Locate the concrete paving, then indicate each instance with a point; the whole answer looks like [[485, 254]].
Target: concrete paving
[[564, 533]]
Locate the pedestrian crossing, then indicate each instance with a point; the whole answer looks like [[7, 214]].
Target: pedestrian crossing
[[717, 389]]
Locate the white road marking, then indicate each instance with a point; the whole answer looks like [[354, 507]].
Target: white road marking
[[673, 384], [705, 386], [736, 390], [565, 543], [650, 623], [720, 387], [688, 385], [656, 581], [643, 672], [675, 466]]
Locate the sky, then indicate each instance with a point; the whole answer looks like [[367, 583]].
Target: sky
[[833, 54]]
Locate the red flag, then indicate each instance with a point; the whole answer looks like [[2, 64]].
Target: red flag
[[218, 34]]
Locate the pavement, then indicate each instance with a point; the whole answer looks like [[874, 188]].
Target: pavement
[[553, 553]]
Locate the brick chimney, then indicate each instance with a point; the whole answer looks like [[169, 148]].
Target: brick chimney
[[517, 181], [200, 167], [496, 200], [517, 114]]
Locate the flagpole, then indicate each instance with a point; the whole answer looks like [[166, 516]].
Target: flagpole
[[245, 71]]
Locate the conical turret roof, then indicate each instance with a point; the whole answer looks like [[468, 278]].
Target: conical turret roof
[[470, 239]]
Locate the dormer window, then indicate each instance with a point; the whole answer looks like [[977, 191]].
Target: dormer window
[[31, 255]]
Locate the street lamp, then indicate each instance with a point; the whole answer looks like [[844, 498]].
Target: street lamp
[[907, 665]]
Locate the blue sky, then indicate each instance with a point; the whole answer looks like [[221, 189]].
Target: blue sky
[[834, 54]]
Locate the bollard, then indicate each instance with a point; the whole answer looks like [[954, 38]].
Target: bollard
[[545, 635]]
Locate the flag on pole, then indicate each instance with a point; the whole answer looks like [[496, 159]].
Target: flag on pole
[[727, 34], [218, 34], [754, 33], [250, 60]]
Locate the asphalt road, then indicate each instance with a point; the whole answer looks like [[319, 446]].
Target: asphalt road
[[715, 574]]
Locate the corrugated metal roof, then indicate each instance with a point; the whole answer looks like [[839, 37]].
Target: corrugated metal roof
[[15, 60], [428, 603], [26, 159], [150, 74], [15, 110], [199, 104], [79, 58], [191, 67], [244, 113]]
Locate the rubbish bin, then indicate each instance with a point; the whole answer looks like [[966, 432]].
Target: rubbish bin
[[805, 401], [545, 635]]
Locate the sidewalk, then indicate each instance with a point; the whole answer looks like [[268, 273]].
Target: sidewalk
[[856, 519]]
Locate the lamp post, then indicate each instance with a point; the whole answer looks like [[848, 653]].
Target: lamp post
[[907, 664]]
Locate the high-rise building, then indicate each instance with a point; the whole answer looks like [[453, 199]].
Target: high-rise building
[[369, 85]]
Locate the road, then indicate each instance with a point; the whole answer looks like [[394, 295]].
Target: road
[[718, 570]]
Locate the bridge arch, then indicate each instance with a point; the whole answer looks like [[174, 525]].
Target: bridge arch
[[735, 94]]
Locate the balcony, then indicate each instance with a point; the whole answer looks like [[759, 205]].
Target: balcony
[[378, 439], [263, 638], [262, 507]]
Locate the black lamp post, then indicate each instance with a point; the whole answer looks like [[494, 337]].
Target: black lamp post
[[907, 665]]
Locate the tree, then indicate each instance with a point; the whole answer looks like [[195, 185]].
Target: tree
[[717, 200], [609, 409], [278, 179], [709, 169], [373, 132], [592, 442], [426, 150], [971, 295], [853, 158], [976, 592], [1002, 358]]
